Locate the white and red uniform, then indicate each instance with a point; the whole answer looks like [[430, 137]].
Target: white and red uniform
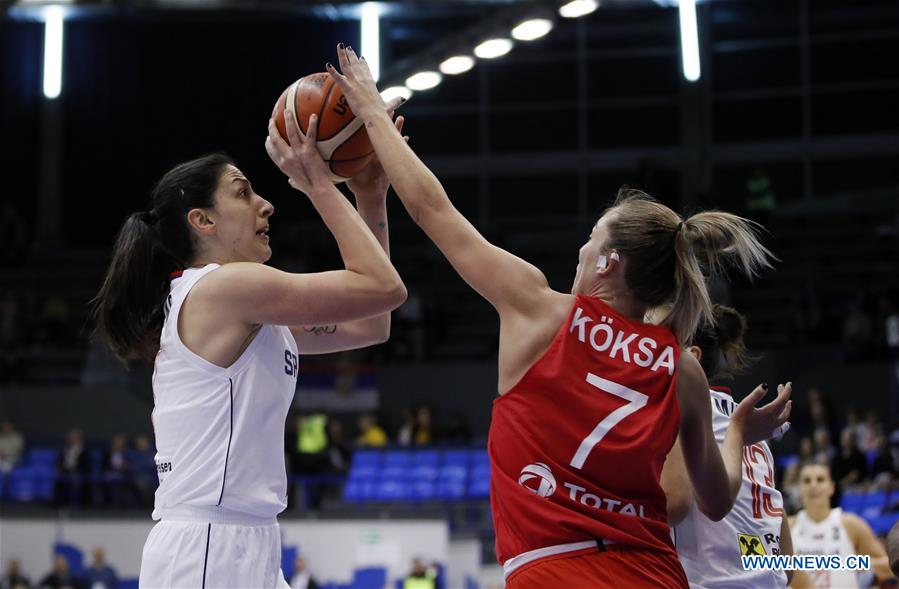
[[710, 551], [577, 446], [827, 537]]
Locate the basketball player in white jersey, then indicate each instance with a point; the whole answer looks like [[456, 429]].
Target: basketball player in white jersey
[[188, 289], [710, 551], [820, 529]]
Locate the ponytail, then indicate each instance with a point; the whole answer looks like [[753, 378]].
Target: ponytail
[[706, 245], [128, 309], [669, 258]]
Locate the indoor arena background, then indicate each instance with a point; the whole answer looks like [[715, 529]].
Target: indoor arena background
[[791, 119]]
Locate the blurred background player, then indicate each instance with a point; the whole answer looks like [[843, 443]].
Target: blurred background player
[[225, 331], [820, 529], [710, 551], [564, 485]]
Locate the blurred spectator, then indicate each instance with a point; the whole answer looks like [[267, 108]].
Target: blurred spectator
[[59, 576], [883, 468], [143, 465], [423, 433], [13, 240], [824, 450], [100, 575], [457, 430], [891, 330], [371, 434], [421, 576], [869, 431], [72, 468], [302, 578], [55, 320], [822, 413], [407, 428], [310, 451], [857, 330], [791, 473], [118, 470], [14, 579], [339, 451], [849, 466], [12, 444]]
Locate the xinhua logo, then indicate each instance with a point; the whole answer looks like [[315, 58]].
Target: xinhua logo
[[538, 478]]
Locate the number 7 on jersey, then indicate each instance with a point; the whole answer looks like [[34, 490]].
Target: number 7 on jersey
[[635, 402]]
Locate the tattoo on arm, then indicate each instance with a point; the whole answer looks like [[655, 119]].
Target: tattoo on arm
[[382, 225], [321, 329]]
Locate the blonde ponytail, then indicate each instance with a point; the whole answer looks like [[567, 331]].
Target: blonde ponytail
[[670, 258]]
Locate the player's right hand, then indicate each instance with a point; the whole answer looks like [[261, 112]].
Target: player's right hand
[[298, 157], [758, 423], [357, 84]]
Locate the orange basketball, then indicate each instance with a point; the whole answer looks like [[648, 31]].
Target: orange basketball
[[342, 140]]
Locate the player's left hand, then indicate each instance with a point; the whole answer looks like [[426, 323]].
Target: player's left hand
[[759, 423], [372, 182]]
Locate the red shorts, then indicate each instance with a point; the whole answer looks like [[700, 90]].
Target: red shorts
[[612, 569]]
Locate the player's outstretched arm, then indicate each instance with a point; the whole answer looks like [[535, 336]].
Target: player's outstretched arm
[[369, 188], [505, 280]]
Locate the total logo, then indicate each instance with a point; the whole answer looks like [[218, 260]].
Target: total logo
[[538, 478]]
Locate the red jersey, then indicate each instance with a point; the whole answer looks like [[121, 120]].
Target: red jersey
[[577, 446]]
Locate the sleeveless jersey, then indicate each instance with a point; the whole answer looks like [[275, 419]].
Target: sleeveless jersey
[[828, 536], [220, 431], [710, 551], [577, 446]]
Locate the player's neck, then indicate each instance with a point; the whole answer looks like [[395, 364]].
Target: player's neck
[[621, 302], [818, 512]]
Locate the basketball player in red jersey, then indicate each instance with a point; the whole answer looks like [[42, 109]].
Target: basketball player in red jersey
[[589, 405]]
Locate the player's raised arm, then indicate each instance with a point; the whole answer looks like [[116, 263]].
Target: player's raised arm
[[502, 278]]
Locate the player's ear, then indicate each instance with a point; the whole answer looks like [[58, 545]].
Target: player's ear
[[696, 352]]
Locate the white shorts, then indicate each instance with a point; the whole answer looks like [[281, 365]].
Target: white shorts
[[208, 548]]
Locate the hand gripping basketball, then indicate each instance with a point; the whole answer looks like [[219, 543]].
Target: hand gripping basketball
[[298, 157]]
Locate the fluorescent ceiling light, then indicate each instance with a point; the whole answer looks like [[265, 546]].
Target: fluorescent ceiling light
[[532, 29], [423, 80], [53, 27], [689, 39], [371, 37], [389, 94], [577, 8], [493, 48], [457, 64]]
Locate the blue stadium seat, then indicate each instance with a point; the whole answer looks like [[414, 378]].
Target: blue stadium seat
[[883, 523], [479, 458], [875, 501], [424, 467], [456, 458], [371, 458], [23, 485], [392, 489], [369, 578], [397, 459], [359, 490], [853, 501], [479, 484], [451, 489], [471, 583], [45, 457], [130, 583], [421, 490]]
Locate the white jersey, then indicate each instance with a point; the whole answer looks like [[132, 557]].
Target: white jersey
[[829, 536], [710, 551], [220, 431]]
